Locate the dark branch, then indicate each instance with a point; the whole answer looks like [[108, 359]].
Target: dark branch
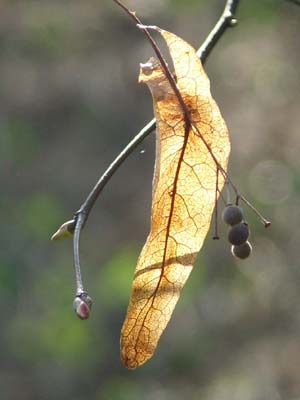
[[226, 20], [203, 52]]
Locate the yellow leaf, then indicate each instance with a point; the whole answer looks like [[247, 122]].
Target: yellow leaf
[[184, 189]]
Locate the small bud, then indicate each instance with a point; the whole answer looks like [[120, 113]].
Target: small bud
[[82, 305], [66, 230], [243, 251], [233, 22], [238, 234], [232, 214]]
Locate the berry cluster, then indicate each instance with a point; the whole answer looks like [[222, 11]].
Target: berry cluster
[[238, 232]]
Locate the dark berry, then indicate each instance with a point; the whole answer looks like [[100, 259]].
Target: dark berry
[[238, 234], [232, 214], [243, 251]]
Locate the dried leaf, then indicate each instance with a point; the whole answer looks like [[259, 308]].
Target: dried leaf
[[184, 190]]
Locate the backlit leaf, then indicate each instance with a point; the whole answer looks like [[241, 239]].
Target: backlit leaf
[[184, 188]]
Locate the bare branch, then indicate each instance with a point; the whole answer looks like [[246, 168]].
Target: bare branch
[[226, 20]]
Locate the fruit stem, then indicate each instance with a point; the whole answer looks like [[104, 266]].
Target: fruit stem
[[264, 221], [216, 234]]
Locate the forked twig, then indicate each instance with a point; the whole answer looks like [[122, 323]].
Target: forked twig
[[226, 20]]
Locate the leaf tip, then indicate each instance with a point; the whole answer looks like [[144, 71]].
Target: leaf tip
[[129, 358]]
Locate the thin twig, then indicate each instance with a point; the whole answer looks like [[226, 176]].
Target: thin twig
[[87, 206], [260, 216], [79, 284], [227, 188], [225, 21], [216, 234], [203, 52], [222, 196]]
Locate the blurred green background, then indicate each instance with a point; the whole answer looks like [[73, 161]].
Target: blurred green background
[[69, 103]]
